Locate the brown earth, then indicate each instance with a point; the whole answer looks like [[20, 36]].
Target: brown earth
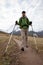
[[15, 56]]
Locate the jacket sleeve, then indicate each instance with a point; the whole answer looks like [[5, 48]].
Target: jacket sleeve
[[28, 22], [20, 20], [18, 23]]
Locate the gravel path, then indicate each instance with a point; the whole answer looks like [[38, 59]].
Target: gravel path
[[29, 56]]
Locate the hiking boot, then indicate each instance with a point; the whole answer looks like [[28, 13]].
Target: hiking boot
[[22, 49]]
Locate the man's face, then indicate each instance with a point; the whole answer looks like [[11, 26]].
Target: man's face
[[23, 14]]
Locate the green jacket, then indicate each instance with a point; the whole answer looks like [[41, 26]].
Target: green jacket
[[24, 22]]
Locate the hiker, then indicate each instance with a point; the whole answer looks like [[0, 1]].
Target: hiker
[[24, 25]]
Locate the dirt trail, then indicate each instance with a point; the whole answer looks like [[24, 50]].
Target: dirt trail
[[29, 56]]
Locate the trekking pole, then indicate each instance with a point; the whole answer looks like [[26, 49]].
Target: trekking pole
[[34, 38], [9, 40]]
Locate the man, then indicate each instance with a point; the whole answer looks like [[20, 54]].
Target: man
[[24, 25]]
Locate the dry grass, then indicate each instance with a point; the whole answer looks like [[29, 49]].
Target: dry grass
[[11, 58], [39, 43], [13, 48]]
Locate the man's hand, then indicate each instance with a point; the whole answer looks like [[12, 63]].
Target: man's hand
[[16, 23], [31, 23]]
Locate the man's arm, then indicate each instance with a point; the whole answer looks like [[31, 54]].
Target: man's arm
[[18, 23], [20, 20], [29, 22]]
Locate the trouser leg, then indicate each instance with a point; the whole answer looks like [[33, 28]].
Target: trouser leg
[[24, 35]]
